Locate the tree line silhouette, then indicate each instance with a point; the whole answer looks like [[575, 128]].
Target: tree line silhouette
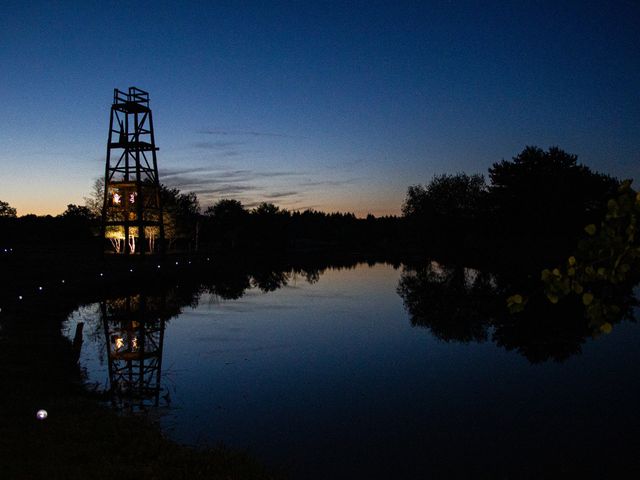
[[226, 225], [530, 213]]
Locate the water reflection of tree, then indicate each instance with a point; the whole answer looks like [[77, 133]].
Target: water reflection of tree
[[543, 331], [310, 275], [454, 303], [229, 285], [230, 282], [464, 305], [270, 280]]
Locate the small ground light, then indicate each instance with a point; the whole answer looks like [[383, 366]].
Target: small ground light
[[131, 270], [158, 266], [176, 263], [19, 297], [40, 288], [62, 281], [41, 414], [101, 274]]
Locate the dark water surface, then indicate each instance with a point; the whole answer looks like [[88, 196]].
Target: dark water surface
[[330, 379]]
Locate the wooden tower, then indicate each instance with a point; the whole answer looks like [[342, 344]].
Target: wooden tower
[[132, 208]]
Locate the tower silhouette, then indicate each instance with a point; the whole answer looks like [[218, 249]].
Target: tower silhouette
[[132, 208]]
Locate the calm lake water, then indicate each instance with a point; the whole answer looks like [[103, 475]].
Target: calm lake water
[[332, 379]]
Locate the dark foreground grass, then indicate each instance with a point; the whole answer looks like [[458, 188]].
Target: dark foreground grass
[[82, 438]]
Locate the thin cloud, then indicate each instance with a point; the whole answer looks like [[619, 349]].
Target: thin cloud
[[249, 186], [209, 183], [232, 173], [231, 153], [190, 177], [307, 207], [173, 172], [251, 133], [281, 174], [225, 189], [345, 164], [217, 145], [322, 183], [281, 194]]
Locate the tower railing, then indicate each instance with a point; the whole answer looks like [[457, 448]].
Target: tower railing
[[134, 95]]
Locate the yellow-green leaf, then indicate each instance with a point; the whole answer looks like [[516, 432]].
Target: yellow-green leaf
[[606, 328], [552, 298], [572, 261], [517, 298], [625, 185], [587, 298], [590, 229]]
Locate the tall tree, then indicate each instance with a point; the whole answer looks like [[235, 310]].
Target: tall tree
[[95, 198], [7, 210], [226, 210], [227, 220], [78, 212], [446, 196], [180, 215], [546, 197], [269, 225], [448, 211]]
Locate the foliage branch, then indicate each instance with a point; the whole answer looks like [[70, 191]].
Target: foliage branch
[[605, 261]]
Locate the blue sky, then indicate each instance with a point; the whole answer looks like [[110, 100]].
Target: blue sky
[[328, 105]]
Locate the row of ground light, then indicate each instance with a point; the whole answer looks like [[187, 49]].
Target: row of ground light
[[102, 276]]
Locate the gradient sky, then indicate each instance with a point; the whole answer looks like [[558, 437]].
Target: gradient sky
[[325, 105]]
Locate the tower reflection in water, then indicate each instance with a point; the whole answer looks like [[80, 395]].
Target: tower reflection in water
[[134, 331]]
